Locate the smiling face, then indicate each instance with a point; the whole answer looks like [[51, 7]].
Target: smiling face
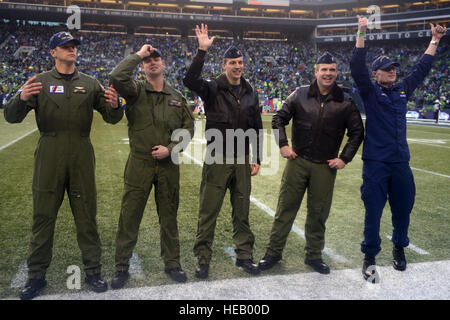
[[66, 53], [326, 75], [386, 77], [233, 69], [153, 66]]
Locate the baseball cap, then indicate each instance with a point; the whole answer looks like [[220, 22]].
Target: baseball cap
[[382, 62], [61, 38]]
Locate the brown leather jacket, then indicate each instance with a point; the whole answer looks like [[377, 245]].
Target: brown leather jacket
[[223, 108], [319, 127]]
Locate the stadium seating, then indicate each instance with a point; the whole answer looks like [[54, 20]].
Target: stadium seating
[[275, 68]]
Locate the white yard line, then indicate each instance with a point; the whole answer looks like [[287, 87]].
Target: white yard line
[[230, 251], [333, 255], [135, 270], [18, 139], [21, 276], [413, 248], [431, 172]]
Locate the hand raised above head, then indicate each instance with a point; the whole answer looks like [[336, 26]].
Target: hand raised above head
[[204, 41]]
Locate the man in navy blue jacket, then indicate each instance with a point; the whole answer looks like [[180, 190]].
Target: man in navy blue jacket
[[386, 171]]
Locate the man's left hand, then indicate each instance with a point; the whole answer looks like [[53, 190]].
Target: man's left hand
[[112, 97], [336, 163], [255, 169], [160, 152]]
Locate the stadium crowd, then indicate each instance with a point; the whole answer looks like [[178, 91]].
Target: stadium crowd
[[275, 68]]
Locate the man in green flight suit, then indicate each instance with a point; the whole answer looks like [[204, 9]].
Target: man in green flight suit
[[154, 110], [63, 100]]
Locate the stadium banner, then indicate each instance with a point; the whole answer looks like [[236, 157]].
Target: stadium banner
[[378, 36]]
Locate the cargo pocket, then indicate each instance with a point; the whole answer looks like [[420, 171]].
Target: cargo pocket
[[134, 174]]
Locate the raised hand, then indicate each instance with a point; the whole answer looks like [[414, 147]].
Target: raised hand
[[112, 97], [362, 23], [145, 51], [30, 88], [204, 42], [437, 31]]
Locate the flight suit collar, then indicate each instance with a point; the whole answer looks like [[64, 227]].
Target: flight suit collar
[[149, 87], [55, 74]]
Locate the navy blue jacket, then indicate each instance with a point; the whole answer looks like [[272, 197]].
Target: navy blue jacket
[[385, 138]]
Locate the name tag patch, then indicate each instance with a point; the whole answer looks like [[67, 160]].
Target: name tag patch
[[173, 102], [80, 90], [56, 89]]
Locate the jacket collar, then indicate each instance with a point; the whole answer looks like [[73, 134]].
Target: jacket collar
[[55, 74], [149, 87], [336, 93], [222, 83]]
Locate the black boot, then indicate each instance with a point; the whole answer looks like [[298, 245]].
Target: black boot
[[369, 275], [268, 262], [399, 261], [248, 266], [32, 288], [201, 272], [177, 274], [119, 280], [96, 283], [318, 265]]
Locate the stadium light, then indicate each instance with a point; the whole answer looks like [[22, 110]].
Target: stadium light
[[138, 3]]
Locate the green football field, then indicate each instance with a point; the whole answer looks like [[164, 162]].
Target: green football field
[[429, 231]]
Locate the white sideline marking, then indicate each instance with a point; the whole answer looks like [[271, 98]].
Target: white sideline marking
[[431, 172], [418, 169], [135, 270], [333, 255], [413, 248], [420, 281], [21, 276], [231, 253], [15, 140]]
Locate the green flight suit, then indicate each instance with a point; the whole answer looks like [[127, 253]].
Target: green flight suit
[[216, 179], [301, 174], [152, 117], [64, 160]]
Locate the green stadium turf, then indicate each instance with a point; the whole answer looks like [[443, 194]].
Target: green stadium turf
[[430, 151]]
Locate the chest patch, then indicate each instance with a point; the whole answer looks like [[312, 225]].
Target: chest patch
[[56, 89], [173, 102], [80, 90]]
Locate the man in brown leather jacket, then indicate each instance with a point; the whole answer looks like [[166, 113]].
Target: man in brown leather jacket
[[231, 106], [321, 113]]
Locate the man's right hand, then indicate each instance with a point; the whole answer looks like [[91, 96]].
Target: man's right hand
[[288, 153], [204, 42], [145, 51], [30, 88], [362, 23]]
